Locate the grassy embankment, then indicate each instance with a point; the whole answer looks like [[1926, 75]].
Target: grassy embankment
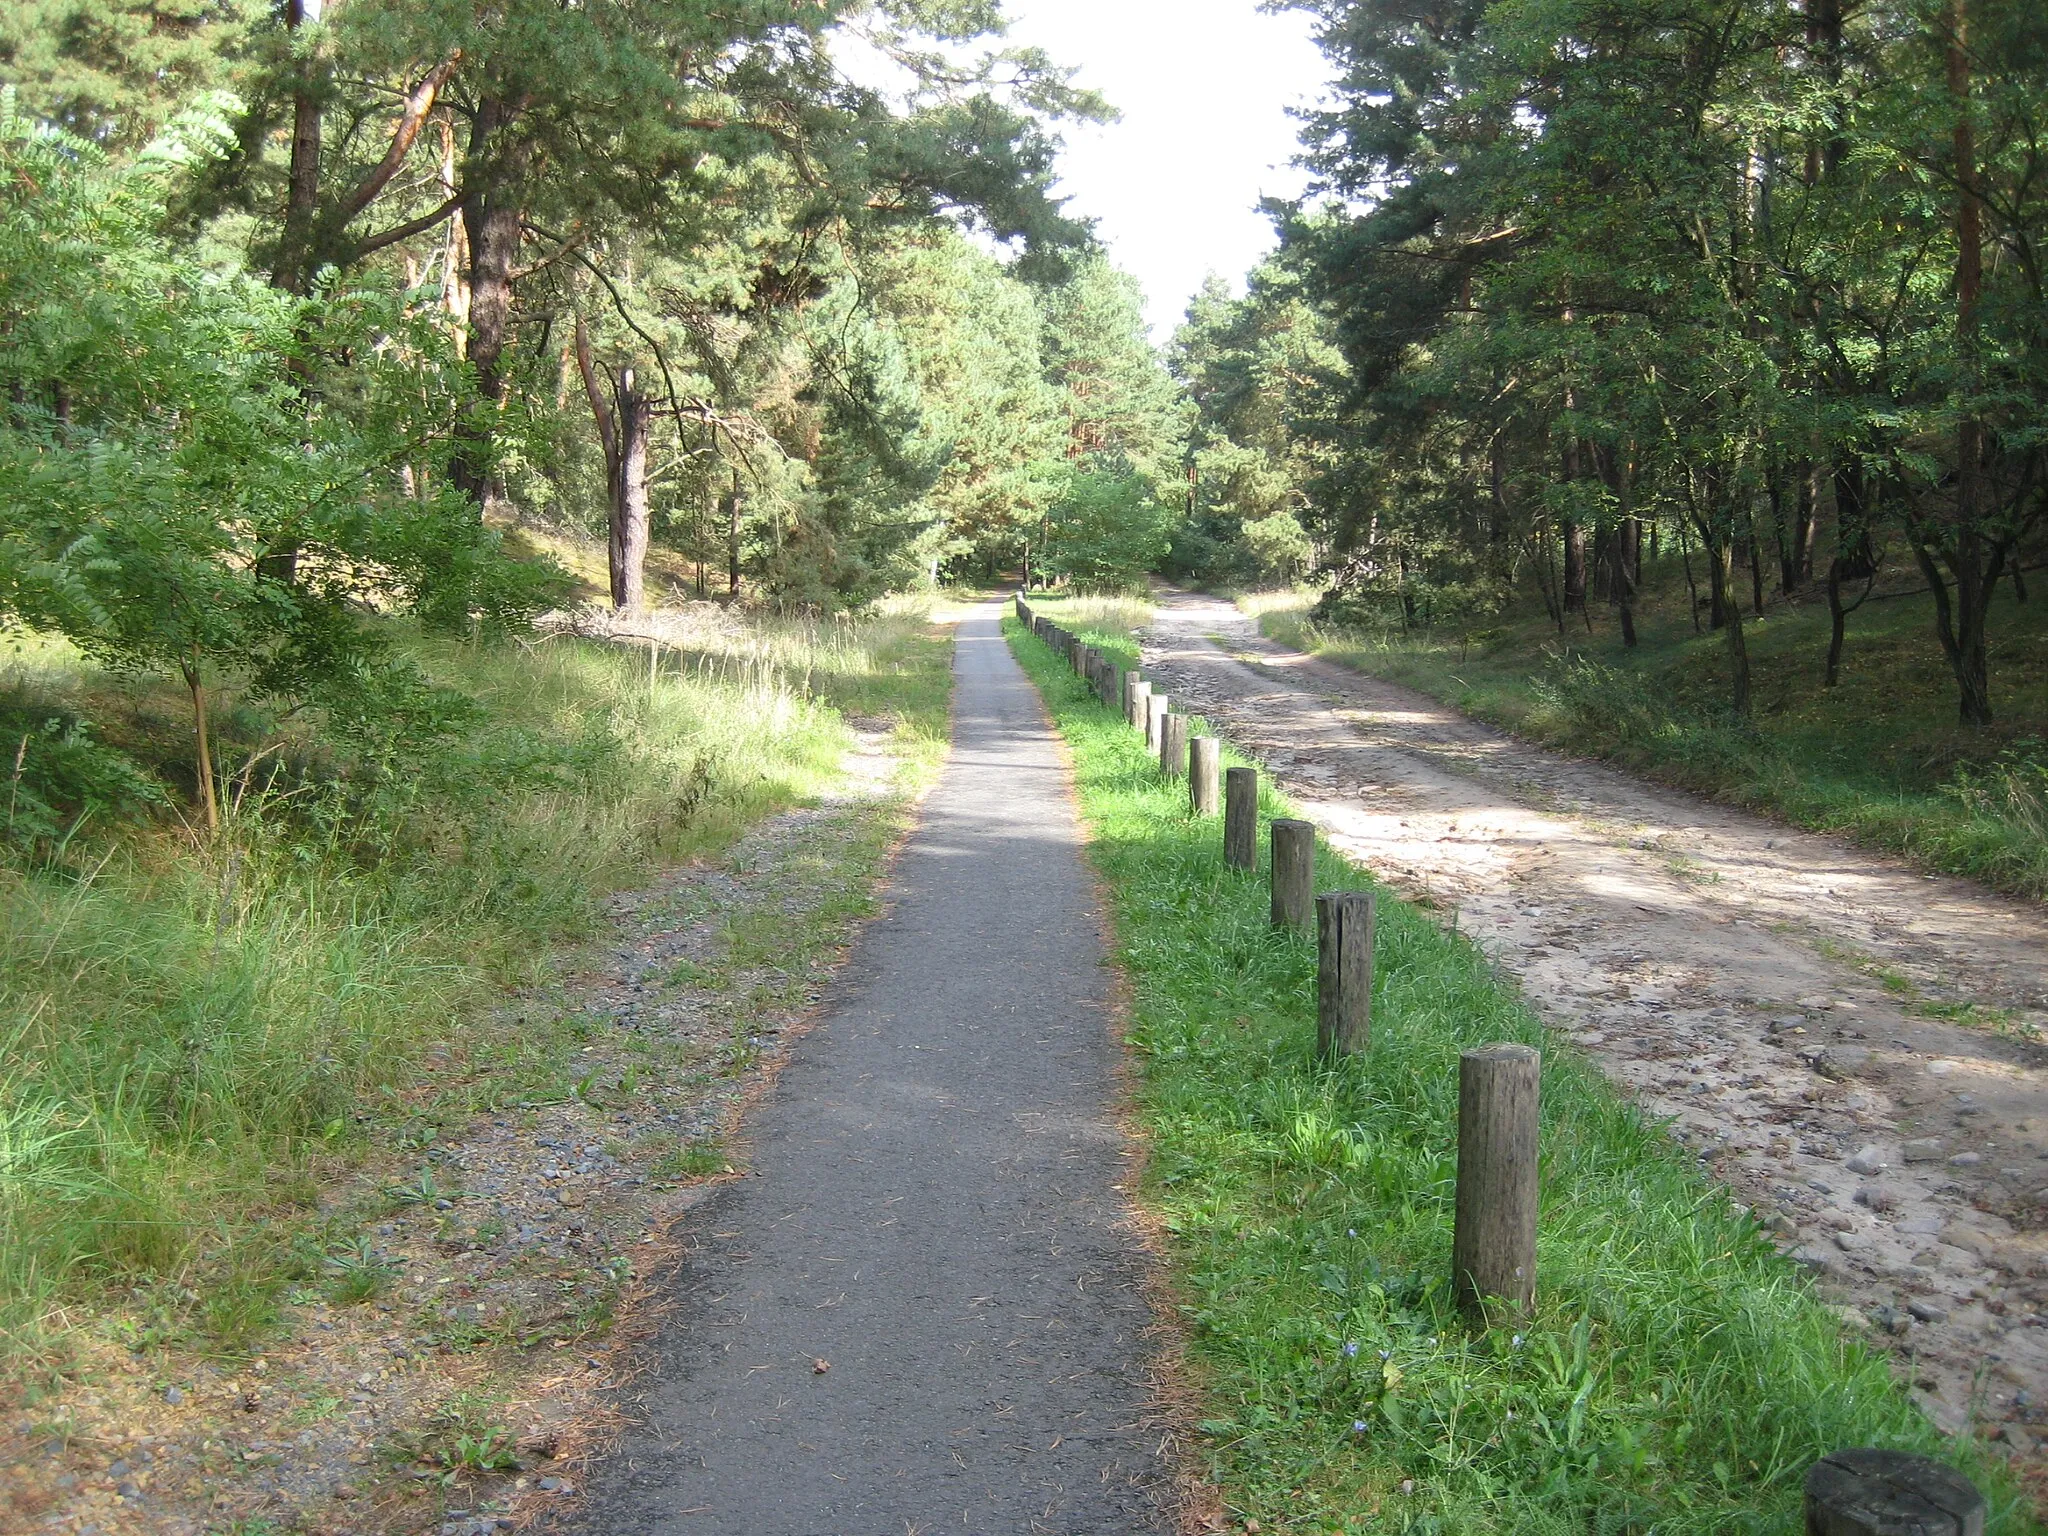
[[198, 1036], [1676, 1376], [1879, 757]]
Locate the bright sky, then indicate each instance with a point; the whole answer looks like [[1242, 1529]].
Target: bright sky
[[1204, 87]]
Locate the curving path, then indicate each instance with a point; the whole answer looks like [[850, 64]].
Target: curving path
[[921, 1311], [1730, 973]]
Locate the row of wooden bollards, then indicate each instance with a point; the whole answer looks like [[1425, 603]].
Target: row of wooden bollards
[[1493, 1250], [1862, 1492]]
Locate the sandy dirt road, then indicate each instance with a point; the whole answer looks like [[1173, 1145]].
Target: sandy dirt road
[[1777, 996]]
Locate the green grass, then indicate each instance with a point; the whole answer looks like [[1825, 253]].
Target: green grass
[[1676, 1374], [1879, 757], [196, 1036]]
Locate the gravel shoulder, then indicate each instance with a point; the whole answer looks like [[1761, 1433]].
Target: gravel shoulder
[[922, 1308], [1786, 1002]]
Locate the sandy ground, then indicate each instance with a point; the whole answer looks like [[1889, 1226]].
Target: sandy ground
[[1783, 999]]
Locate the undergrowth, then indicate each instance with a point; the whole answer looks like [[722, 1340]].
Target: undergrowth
[[1676, 1374], [1879, 757], [195, 1034]]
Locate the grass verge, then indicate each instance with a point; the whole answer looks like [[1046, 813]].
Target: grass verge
[[1878, 757], [1676, 1374], [198, 1036]]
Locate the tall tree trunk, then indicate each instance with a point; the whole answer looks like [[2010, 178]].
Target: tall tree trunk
[[1721, 579], [293, 268], [1692, 586], [1960, 626], [1838, 625], [492, 213], [1854, 558], [1545, 576], [628, 543], [732, 538], [1624, 565], [202, 749], [1628, 563]]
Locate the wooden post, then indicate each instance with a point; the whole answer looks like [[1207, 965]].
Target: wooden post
[[1294, 874], [1173, 745], [1890, 1493], [1136, 706], [1344, 972], [1493, 1241], [1241, 818], [1157, 706], [1205, 779]]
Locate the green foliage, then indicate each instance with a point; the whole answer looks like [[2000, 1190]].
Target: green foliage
[[183, 1031], [1264, 378], [1676, 1374], [1111, 531], [160, 450], [1125, 436], [60, 779], [111, 70], [1736, 275]]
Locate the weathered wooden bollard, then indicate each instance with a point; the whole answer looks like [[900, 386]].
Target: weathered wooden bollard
[[1294, 873], [1136, 706], [1157, 707], [1344, 972], [1890, 1493], [1205, 777], [1173, 745], [1493, 1241], [1241, 818], [1110, 685]]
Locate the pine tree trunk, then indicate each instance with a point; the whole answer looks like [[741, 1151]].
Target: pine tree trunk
[[491, 219], [292, 269], [1721, 563], [1574, 538], [202, 749], [732, 537], [628, 543]]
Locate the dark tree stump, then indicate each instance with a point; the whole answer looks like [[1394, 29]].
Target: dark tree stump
[[1869, 1492], [1493, 1241], [1241, 818]]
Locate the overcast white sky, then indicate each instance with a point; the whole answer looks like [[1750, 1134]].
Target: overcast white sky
[[1204, 87]]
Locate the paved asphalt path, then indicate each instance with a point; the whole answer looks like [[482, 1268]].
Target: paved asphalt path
[[932, 1210]]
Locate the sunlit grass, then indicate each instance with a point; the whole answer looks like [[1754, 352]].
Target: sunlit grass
[[1676, 1375], [1114, 618], [191, 1029]]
